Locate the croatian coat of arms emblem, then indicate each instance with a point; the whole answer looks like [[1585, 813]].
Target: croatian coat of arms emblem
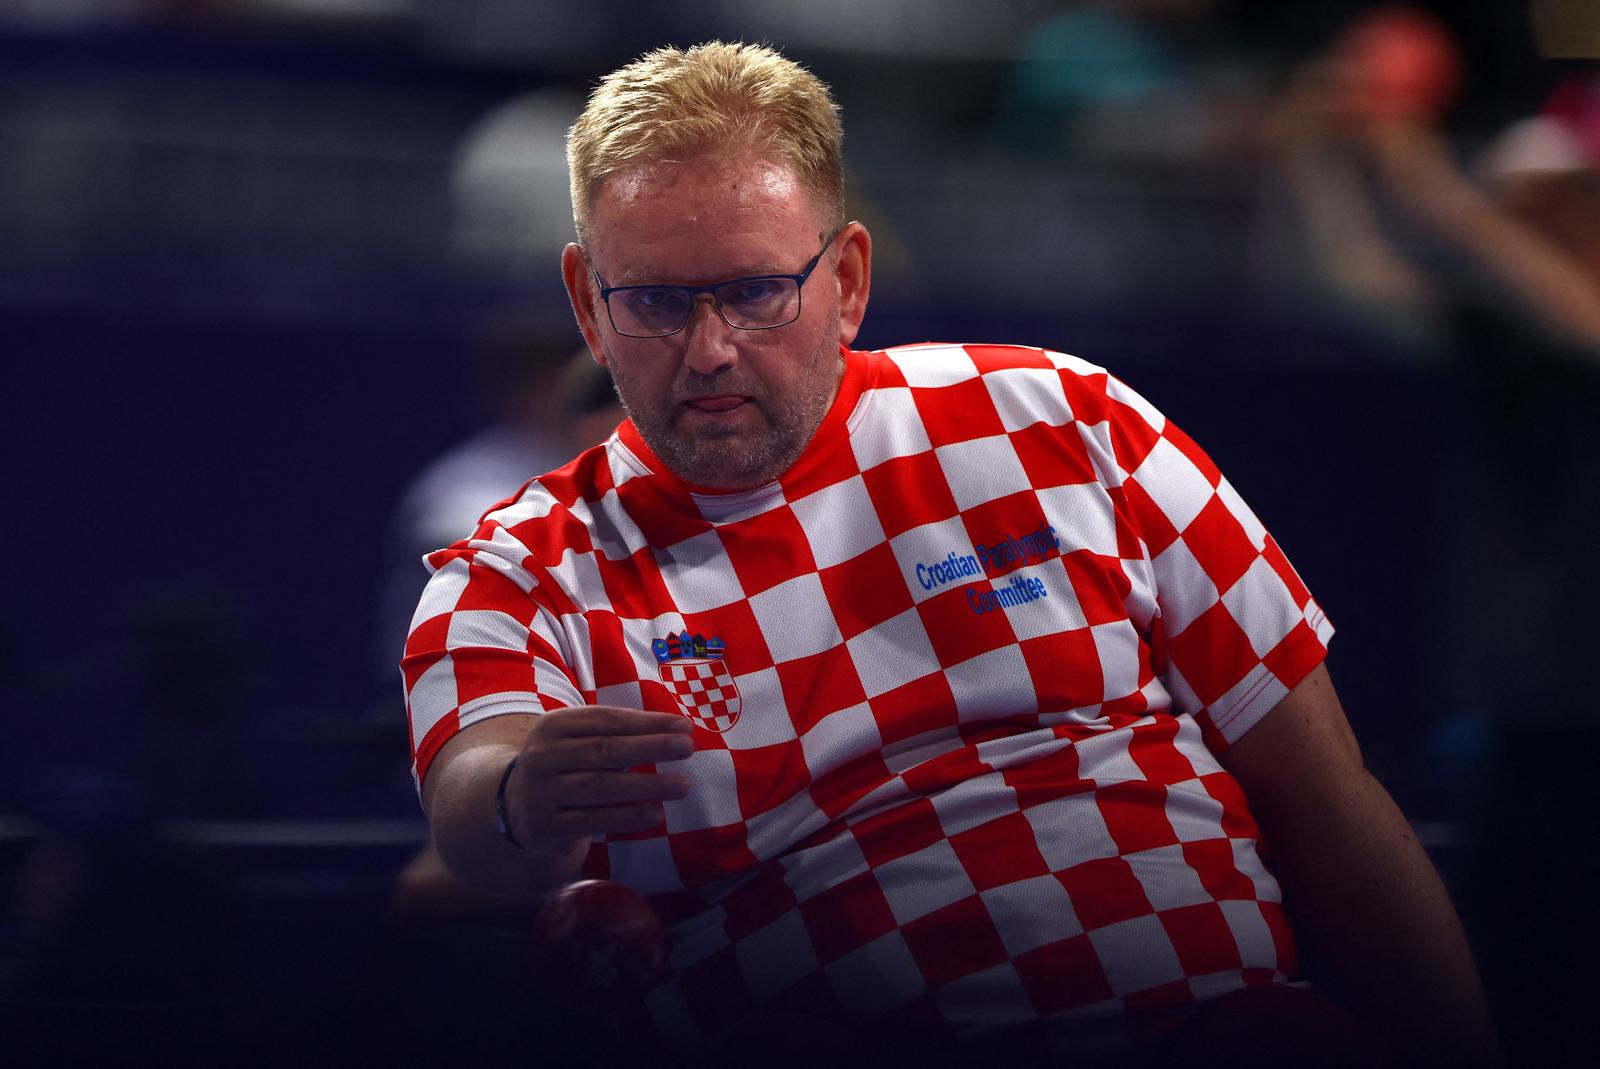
[[693, 669]]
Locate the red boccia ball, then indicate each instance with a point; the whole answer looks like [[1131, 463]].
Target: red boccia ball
[[596, 939], [1404, 62]]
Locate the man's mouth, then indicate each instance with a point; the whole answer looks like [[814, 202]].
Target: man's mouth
[[723, 403]]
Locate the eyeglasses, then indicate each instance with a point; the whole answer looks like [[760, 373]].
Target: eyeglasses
[[758, 302]]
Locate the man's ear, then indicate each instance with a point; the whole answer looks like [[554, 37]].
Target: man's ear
[[855, 279], [585, 297]]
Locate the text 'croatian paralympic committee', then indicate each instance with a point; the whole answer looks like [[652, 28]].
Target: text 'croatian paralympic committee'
[[987, 560]]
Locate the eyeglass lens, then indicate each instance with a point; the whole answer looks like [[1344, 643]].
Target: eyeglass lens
[[748, 303]]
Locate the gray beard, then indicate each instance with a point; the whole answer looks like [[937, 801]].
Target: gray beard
[[736, 460]]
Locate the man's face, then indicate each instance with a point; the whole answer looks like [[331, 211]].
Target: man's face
[[722, 407]]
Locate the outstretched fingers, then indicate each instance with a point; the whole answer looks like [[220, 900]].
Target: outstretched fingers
[[585, 772]]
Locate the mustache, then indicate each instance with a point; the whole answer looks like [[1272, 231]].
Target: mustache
[[694, 385]]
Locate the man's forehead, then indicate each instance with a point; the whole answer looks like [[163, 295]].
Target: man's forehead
[[737, 216], [739, 179]]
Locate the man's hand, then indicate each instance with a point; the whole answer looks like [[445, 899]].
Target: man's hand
[[571, 783]]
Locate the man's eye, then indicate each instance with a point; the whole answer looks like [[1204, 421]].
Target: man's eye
[[655, 305], [651, 299]]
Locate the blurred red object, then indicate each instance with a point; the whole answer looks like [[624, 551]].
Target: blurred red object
[[1401, 63], [597, 939]]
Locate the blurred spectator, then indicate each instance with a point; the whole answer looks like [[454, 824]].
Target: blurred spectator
[[549, 405], [508, 184], [1498, 276], [1501, 278], [1362, 146], [1143, 81]]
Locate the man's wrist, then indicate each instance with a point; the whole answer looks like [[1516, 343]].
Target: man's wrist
[[500, 806]]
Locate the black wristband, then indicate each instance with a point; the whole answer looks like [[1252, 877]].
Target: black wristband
[[500, 806]]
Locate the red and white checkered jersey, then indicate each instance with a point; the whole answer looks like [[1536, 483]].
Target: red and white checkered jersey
[[959, 678]]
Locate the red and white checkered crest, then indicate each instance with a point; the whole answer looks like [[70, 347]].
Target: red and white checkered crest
[[705, 691]]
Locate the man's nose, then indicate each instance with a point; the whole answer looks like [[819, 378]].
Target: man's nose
[[709, 343]]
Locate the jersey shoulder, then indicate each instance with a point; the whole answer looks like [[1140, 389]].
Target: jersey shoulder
[[1009, 374], [550, 515]]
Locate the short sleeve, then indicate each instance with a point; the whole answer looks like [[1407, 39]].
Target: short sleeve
[[481, 644], [1236, 628]]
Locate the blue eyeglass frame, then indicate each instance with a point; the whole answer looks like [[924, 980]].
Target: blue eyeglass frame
[[693, 292]]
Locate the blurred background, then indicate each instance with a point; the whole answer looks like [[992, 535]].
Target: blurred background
[[280, 310]]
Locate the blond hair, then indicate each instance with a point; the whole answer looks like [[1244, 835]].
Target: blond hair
[[717, 100]]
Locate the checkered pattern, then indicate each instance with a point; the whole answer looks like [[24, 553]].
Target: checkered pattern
[[705, 691], [988, 635]]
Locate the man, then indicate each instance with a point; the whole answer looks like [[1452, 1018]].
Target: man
[[916, 686]]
